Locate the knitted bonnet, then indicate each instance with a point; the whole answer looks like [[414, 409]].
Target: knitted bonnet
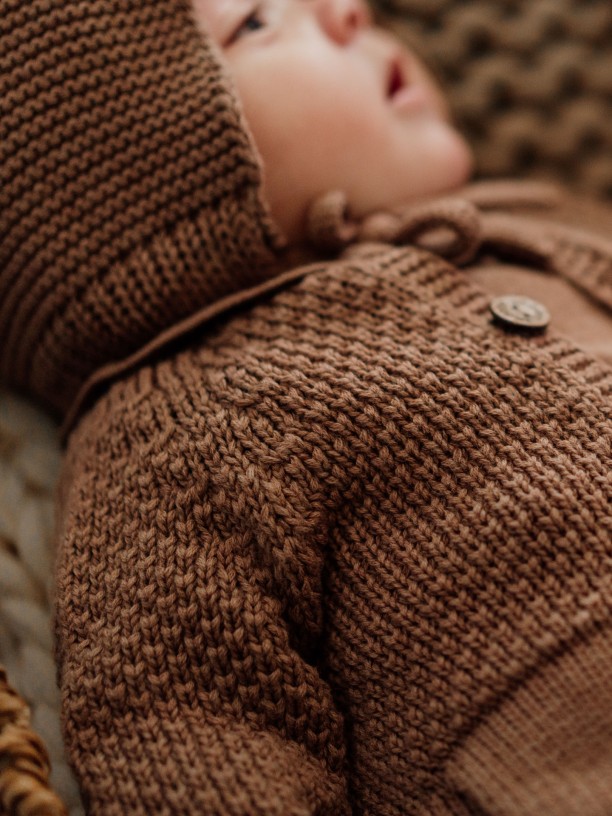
[[130, 188]]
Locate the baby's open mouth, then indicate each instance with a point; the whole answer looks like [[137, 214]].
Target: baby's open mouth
[[405, 92], [395, 78]]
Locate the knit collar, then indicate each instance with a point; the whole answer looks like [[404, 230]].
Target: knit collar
[[489, 217], [495, 217]]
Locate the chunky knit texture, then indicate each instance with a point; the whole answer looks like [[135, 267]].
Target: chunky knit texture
[[124, 159], [129, 190], [349, 550], [529, 81]]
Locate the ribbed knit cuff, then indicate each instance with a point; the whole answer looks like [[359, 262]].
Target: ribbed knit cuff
[[547, 751]]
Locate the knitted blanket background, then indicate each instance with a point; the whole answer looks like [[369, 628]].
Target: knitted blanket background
[[29, 466], [530, 82]]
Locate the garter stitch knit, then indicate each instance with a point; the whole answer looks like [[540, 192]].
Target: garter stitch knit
[[129, 190], [329, 541]]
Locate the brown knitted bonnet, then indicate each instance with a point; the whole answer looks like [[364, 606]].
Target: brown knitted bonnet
[[129, 186]]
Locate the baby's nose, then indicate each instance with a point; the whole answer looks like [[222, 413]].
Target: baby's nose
[[342, 19]]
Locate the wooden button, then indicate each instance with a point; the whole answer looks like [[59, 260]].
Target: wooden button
[[520, 312]]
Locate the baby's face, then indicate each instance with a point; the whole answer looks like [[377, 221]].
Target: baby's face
[[319, 85]]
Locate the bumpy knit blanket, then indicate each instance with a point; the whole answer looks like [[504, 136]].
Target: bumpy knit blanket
[[29, 464]]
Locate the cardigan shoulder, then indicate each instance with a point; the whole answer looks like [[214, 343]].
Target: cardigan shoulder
[[416, 501]]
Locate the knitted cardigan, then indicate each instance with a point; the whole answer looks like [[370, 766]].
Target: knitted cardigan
[[349, 550]]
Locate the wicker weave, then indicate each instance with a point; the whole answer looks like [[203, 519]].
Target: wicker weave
[[515, 70], [24, 763]]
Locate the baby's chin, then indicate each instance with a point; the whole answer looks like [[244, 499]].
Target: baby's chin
[[449, 166], [452, 166], [459, 163]]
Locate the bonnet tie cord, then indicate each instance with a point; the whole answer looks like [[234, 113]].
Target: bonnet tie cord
[[453, 223], [479, 218], [454, 226]]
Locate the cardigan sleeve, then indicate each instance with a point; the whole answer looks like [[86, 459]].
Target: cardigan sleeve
[[186, 687], [548, 747]]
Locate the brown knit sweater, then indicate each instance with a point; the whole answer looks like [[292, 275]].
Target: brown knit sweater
[[347, 551], [330, 540]]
